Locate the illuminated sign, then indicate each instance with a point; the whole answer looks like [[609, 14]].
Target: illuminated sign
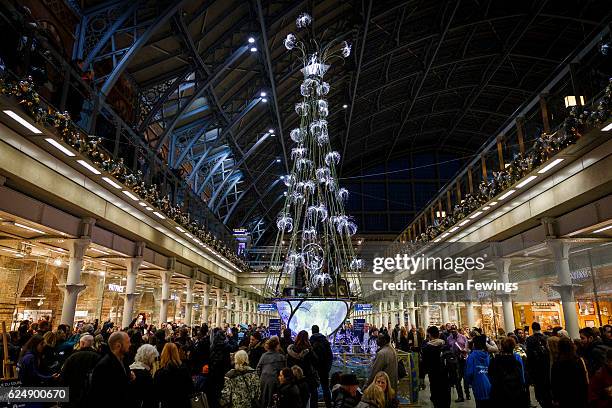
[[363, 307], [116, 288], [266, 307]]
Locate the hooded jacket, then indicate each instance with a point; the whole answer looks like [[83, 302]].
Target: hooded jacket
[[476, 374], [306, 360]]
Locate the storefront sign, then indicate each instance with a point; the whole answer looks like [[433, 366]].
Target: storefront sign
[[363, 307], [80, 313], [274, 327], [116, 288], [543, 307], [266, 307]]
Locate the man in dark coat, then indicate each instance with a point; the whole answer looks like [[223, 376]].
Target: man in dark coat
[[256, 349], [322, 348], [438, 374], [538, 365], [110, 374], [77, 369], [347, 395]]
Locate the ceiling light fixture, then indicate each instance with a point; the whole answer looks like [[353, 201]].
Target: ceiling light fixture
[[129, 194], [251, 40], [492, 203], [22, 121], [526, 181], [59, 147], [550, 166], [270, 130], [464, 223], [29, 228], [475, 215], [506, 194], [607, 128], [111, 182], [253, 49], [158, 215], [453, 229], [88, 166], [142, 204], [179, 229], [602, 229], [148, 208], [99, 251]]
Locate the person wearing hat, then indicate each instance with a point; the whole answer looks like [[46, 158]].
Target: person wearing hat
[[347, 395]]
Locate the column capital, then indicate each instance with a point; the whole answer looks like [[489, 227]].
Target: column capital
[[86, 227], [502, 265], [73, 288], [559, 248]]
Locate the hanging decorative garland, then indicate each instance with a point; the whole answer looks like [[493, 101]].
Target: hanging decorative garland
[[26, 95], [579, 120]]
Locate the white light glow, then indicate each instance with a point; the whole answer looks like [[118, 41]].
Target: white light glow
[[264, 100], [99, 251], [464, 223], [142, 204], [158, 215], [453, 229], [179, 229], [22, 122], [148, 209], [88, 166], [476, 214], [607, 128], [485, 208], [526, 181], [129, 194], [603, 229], [29, 228], [60, 147], [446, 234], [270, 130], [111, 182], [493, 203], [507, 194], [251, 40], [437, 240], [253, 49], [550, 166], [345, 106]]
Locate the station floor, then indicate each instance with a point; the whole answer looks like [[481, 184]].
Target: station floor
[[426, 403]]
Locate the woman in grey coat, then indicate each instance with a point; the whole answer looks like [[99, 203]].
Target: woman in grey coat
[[270, 364]]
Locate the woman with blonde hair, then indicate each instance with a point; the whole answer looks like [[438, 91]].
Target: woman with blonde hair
[[373, 397], [172, 381], [241, 384], [381, 379], [141, 387]]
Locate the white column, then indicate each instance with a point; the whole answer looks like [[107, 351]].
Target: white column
[[392, 312], [189, 302], [166, 277], [444, 309], [73, 285], [383, 314], [130, 289], [400, 307], [411, 310], [205, 303], [219, 307], [503, 271], [425, 310], [469, 305], [228, 308], [560, 255]]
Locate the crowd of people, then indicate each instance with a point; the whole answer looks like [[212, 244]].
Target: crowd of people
[[243, 366]]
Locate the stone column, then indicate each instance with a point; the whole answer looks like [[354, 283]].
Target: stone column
[[130, 286], [205, 303], [425, 310], [73, 285], [411, 310], [383, 314], [560, 255], [166, 277], [469, 305], [503, 271], [444, 308], [189, 302], [228, 308], [400, 307], [219, 308]]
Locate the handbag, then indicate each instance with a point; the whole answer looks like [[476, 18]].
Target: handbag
[[401, 370], [198, 400]]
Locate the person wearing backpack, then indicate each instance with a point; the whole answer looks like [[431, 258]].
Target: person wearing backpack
[[476, 370], [458, 345], [435, 368], [322, 349], [241, 389], [507, 377], [538, 365]]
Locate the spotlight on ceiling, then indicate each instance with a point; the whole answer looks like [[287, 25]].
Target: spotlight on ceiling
[[345, 106], [251, 40], [263, 94], [253, 49]]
